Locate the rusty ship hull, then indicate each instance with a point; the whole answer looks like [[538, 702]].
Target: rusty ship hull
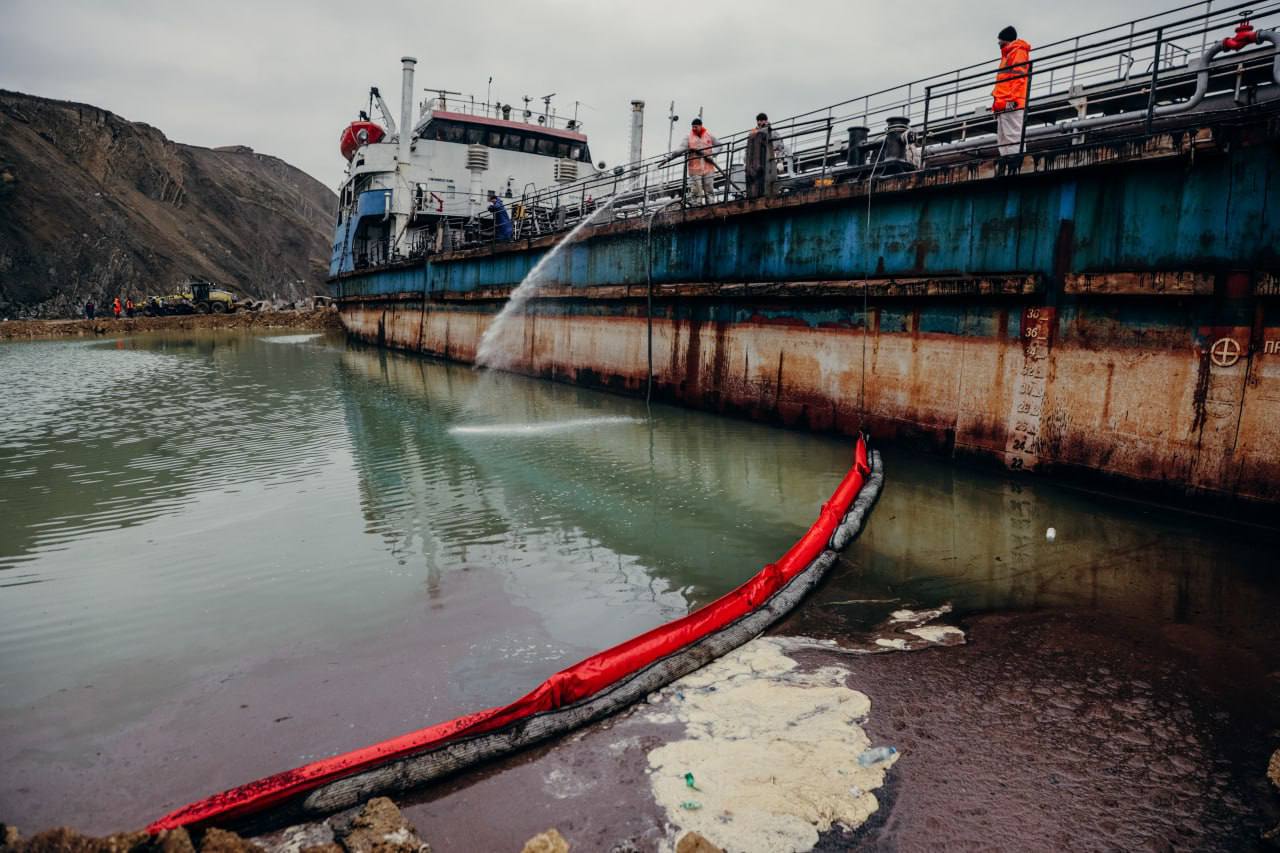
[[1110, 312]]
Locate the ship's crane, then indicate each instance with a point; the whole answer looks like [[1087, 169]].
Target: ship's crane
[[387, 118]]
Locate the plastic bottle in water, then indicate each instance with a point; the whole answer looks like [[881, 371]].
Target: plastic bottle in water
[[876, 756]]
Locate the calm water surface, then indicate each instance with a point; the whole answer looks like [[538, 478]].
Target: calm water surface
[[225, 555]]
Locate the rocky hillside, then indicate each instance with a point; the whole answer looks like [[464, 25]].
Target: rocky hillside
[[92, 205]]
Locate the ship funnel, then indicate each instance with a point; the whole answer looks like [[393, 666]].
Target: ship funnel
[[406, 107], [637, 131]]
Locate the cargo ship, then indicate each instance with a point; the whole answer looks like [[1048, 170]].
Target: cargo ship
[[1100, 304]]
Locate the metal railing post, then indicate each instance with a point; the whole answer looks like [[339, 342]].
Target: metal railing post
[[1155, 80], [826, 148], [728, 171], [644, 197], [1026, 113], [684, 186], [924, 128]]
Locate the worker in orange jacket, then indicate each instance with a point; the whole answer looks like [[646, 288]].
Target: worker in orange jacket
[[1009, 97], [702, 167], [115, 307]]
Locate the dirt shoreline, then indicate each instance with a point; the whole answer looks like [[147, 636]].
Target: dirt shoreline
[[1047, 730], [318, 319]]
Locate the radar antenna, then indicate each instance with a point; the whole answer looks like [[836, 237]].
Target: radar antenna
[[442, 95]]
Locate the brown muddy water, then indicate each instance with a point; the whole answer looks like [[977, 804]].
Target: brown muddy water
[[223, 555]]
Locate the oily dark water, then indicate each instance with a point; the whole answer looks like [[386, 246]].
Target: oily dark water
[[226, 555]]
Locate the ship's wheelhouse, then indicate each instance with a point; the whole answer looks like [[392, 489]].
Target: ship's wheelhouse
[[426, 189], [470, 130]]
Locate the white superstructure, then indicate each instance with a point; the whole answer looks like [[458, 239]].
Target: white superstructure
[[409, 191]]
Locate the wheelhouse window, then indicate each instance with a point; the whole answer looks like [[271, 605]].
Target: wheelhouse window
[[525, 141]]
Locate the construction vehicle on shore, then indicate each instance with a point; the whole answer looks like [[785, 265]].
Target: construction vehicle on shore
[[196, 296]]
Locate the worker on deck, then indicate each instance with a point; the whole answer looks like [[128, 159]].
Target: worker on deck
[[128, 306], [1010, 94], [702, 168], [501, 219], [761, 164], [115, 307], [88, 309]]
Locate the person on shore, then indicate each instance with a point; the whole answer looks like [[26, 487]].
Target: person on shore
[[128, 306], [115, 307], [1009, 97], [697, 149], [761, 164], [88, 309], [501, 219]]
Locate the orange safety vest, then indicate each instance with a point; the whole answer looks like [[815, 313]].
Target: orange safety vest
[[700, 165], [1011, 79]]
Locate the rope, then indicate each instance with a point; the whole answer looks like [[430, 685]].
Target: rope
[[866, 314], [648, 314]]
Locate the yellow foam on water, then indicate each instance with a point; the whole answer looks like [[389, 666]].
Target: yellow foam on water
[[773, 752]]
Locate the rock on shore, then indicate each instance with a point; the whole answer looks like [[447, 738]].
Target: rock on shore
[[1273, 773], [378, 827]]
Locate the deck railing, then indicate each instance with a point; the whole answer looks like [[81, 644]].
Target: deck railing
[[1119, 79]]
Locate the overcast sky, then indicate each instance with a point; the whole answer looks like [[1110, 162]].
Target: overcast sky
[[286, 77]]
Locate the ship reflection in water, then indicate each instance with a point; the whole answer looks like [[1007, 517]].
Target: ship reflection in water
[[228, 555], [981, 542]]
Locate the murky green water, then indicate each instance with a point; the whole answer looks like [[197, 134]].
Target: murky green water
[[225, 555]]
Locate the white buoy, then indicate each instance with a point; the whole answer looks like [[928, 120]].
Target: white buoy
[[1051, 534]]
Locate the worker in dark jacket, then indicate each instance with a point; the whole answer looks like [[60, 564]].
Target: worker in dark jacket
[[501, 219], [1009, 97], [761, 166]]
